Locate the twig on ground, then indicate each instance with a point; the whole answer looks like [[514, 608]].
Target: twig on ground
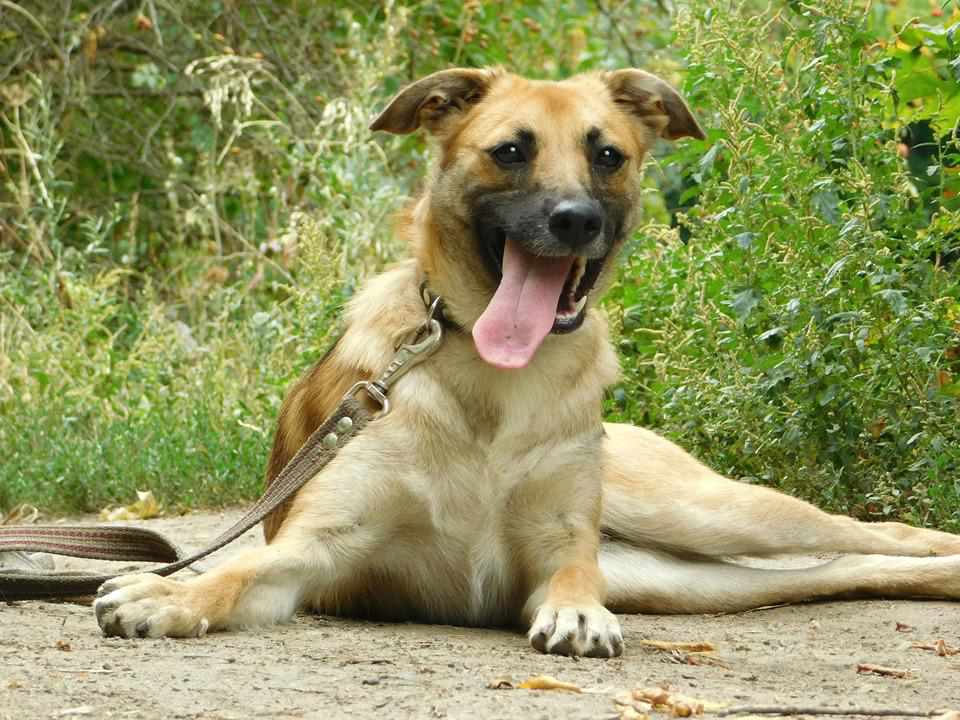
[[881, 670], [670, 646], [940, 647], [801, 710]]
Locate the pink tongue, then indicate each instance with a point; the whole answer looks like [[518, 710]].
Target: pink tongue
[[522, 311]]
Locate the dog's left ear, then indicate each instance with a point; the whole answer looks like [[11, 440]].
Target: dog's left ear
[[434, 100], [658, 105]]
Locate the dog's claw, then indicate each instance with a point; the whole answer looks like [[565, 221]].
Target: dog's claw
[[148, 606], [590, 632]]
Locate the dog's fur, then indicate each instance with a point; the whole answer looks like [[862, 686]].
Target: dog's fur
[[492, 496]]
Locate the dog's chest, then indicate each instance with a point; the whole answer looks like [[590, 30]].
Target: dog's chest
[[478, 509], [468, 522], [466, 506]]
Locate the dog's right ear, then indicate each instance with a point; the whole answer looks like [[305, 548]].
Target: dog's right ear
[[434, 100], [654, 102]]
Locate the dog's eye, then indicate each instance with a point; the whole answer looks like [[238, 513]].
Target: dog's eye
[[508, 154], [609, 158]]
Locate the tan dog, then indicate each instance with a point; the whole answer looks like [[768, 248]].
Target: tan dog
[[492, 494]]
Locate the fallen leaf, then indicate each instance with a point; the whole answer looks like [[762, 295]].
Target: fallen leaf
[[881, 670], [144, 508], [545, 682], [690, 647], [630, 708], [501, 683], [81, 710], [22, 514], [677, 705], [654, 696], [903, 627]]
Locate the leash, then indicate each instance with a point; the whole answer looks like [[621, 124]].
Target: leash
[[117, 542]]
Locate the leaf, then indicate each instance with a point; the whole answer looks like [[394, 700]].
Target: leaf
[[633, 317], [22, 514], [773, 334], [744, 302], [849, 226], [835, 268], [895, 299], [81, 710], [950, 390], [841, 317], [827, 205], [144, 508], [147, 75], [676, 704], [825, 396], [708, 159], [546, 682]]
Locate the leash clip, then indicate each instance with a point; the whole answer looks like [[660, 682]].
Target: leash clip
[[421, 346]]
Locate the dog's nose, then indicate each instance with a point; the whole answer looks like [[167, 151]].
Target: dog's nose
[[576, 223]]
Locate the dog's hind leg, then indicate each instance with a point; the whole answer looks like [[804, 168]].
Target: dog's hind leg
[[656, 495], [641, 581]]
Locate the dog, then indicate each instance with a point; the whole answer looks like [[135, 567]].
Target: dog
[[492, 494]]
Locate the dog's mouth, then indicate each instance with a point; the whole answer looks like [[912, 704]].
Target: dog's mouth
[[536, 295]]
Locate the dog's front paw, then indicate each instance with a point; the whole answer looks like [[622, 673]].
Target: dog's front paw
[[148, 605], [591, 631]]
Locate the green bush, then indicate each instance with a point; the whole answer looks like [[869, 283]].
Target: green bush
[[801, 325], [187, 196]]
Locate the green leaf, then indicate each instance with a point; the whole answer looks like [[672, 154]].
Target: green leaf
[[951, 390], [744, 302]]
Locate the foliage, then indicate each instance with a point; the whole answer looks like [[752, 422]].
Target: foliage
[[807, 333], [188, 193]]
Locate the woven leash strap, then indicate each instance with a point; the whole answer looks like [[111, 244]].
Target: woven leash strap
[[116, 542]]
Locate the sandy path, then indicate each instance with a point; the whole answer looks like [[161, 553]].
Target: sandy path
[[54, 663]]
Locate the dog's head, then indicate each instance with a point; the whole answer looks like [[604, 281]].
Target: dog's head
[[535, 192]]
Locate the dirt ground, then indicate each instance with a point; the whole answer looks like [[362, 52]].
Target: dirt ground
[[54, 662]]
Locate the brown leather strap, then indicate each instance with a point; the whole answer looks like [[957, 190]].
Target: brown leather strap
[[115, 542]]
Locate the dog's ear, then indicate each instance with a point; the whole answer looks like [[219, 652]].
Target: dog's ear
[[434, 100], [658, 105]]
